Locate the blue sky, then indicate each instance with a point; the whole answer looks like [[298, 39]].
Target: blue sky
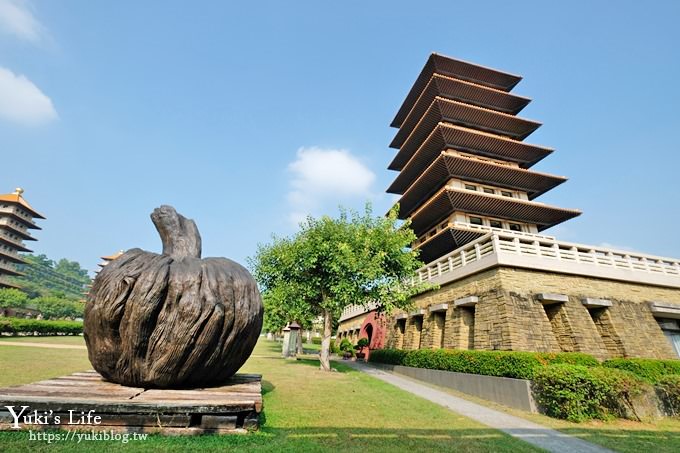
[[247, 117]]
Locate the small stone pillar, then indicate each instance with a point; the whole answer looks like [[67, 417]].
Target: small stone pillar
[[290, 339]]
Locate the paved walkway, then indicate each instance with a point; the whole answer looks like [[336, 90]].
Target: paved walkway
[[42, 345], [535, 434]]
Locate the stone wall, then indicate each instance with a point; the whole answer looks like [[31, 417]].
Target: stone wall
[[510, 316]]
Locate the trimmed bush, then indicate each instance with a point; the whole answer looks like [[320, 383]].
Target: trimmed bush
[[668, 392], [513, 364], [316, 340], [651, 370], [388, 356], [578, 393], [17, 326]]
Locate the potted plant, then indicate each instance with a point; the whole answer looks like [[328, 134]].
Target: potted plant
[[361, 344], [346, 349]]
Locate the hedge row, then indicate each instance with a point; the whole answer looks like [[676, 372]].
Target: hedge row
[[40, 327], [651, 370], [579, 393], [513, 364]]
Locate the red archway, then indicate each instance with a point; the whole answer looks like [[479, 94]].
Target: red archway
[[373, 328]]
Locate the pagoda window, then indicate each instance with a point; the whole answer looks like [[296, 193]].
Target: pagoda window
[[515, 227], [505, 193], [476, 221], [495, 224], [488, 190], [470, 187]]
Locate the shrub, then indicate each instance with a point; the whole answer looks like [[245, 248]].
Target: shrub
[[40, 327], [388, 356], [578, 393], [668, 392], [346, 346], [316, 340], [513, 364], [651, 370]]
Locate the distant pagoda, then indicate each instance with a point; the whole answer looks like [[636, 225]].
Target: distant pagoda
[[16, 218], [462, 162], [107, 259]]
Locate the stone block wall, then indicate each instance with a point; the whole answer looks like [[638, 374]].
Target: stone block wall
[[510, 316]]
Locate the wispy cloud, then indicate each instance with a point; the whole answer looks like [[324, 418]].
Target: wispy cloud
[[23, 102], [321, 176], [16, 18]]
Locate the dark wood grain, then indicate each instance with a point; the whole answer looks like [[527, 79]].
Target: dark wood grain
[[174, 319]]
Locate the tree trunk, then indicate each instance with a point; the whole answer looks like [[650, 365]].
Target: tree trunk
[[326, 341]]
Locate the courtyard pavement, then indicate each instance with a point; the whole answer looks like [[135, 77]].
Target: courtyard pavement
[[533, 433]]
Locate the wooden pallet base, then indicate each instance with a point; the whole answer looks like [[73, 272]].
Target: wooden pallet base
[[73, 401]]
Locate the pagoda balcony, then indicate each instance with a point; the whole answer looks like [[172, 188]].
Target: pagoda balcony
[[5, 283], [461, 91], [450, 199], [451, 164], [7, 239], [7, 224], [500, 248], [10, 255], [416, 128], [414, 156], [458, 69], [19, 215], [8, 269]]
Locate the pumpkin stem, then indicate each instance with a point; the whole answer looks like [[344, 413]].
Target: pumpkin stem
[[179, 235]]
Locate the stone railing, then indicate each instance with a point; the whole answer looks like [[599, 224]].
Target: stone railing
[[500, 248], [356, 310]]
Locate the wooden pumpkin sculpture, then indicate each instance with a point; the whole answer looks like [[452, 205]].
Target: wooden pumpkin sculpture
[[174, 319]]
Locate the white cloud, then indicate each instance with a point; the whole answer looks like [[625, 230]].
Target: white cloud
[[23, 102], [16, 18], [325, 175]]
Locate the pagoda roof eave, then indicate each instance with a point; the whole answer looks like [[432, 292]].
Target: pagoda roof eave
[[25, 236], [459, 69], [449, 165], [446, 136], [12, 258], [16, 198], [23, 220], [448, 200], [416, 127], [14, 245]]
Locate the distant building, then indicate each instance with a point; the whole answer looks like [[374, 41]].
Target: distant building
[[16, 219], [465, 184], [107, 259]]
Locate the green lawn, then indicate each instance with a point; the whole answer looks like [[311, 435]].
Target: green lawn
[[304, 410], [23, 364], [65, 339]]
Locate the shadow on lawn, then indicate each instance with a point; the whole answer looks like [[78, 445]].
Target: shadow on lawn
[[338, 366]]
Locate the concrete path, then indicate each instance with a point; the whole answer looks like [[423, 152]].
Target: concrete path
[[535, 434], [42, 345]]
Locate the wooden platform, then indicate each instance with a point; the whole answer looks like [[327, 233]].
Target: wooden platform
[[232, 408]]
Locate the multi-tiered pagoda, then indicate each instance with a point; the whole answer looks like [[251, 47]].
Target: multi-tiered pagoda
[[16, 219], [462, 162]]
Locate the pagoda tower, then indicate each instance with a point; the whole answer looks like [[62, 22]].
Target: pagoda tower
[[16, 219], [462, 161]]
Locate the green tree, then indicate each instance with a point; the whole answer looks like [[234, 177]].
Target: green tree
[[333, 263], [12, 298], [57, 308]]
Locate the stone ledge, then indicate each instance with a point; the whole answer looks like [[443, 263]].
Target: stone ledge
[[438, 307], [469, 301], [595, 303], [551, 298], [665, 310]]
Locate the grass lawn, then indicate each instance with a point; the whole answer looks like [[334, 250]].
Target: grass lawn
[[64, 339], [304, 410], [658, 436], [23, 364]]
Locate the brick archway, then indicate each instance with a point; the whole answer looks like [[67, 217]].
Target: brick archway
[[374, 328]]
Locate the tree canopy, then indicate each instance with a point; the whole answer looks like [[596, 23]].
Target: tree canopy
[[332, 263], [45, 277]]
